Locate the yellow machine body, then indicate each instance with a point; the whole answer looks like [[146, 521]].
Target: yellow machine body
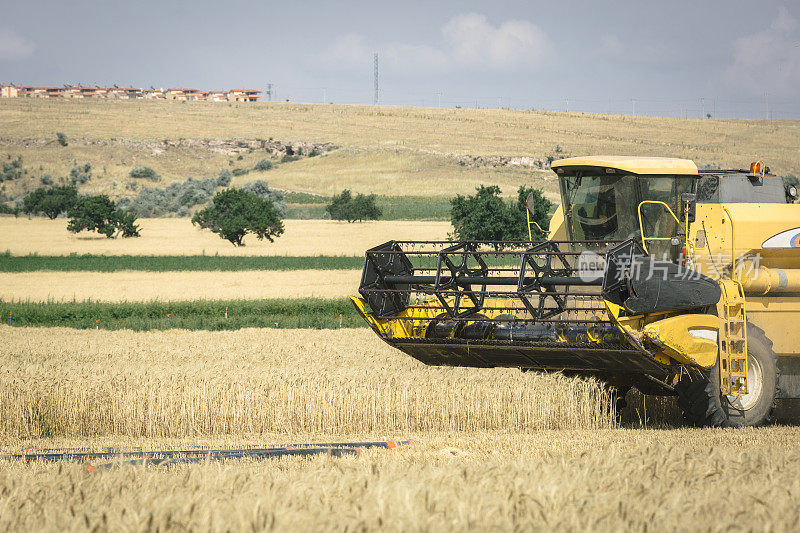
[[751, 249]]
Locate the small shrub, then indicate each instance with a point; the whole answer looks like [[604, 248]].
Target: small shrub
[[240, 171], [345, 206], [236, 212], [12, 169], [261, 188], [46, 179], [80, 174], [154, 202], [8, 210], [289, 158], [61, 138], [263, 165], [144, 173], [224, 178]]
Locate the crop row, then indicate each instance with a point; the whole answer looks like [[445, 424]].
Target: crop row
[[173, 263], [214, 315]]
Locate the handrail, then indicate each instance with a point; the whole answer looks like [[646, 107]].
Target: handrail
[[733, 238], [641, 226], [530, 234]]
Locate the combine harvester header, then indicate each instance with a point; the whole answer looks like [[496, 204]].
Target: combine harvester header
[[655, 276]]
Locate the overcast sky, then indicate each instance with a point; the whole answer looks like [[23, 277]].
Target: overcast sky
[[651, 57]]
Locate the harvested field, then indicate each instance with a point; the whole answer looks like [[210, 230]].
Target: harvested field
[[177, 236], [169, 286], [578, 480], [178, 383]]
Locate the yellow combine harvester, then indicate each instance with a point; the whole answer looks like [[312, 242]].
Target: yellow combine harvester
[[655, 275]]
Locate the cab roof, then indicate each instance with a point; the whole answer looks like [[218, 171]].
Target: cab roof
[[635, 165]]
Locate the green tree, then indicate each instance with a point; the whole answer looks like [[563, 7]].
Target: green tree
[[100, 214], [345, 206], [50, 201], [487, 217], [533, 200], [234, 212]]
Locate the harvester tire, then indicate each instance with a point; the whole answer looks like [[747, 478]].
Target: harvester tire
[[702, 404]]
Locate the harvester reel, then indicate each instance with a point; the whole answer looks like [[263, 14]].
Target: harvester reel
[[544, 260], [384, 298], [450, 285]]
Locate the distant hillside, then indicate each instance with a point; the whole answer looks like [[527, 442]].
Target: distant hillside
[[386, 150]]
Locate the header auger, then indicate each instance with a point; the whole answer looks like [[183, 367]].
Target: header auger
[[654, 275]]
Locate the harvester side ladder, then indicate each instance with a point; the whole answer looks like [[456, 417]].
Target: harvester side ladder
[[732, 338]]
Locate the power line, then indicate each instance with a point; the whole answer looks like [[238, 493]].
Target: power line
[[375, 99]]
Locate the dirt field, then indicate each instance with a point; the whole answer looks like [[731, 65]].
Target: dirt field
[[177, 236], [496, 449], [146, 286]]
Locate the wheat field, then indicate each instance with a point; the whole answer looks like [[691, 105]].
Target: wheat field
[[575, 480], [495, 448], [171, 286], [177, 383], [177, 236]]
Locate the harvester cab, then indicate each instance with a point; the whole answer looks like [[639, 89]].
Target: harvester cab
[[654, 275]]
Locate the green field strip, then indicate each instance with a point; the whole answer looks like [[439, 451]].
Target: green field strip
[[305, 313], [312, 206], [178, 263]]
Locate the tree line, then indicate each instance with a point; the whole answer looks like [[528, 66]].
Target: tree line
[[235, 212]]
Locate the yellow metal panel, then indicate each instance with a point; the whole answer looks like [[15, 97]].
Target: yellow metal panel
[[779, 317], [689, 339], [636, 165], [557, 229]]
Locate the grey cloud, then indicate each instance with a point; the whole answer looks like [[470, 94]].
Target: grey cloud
[[469, 41], [769, 60], [14, 47]]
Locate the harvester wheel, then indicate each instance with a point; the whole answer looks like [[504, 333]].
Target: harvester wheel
[[702, 404]]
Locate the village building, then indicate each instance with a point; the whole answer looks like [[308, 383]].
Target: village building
[[83, 92], [216, 96], [9, 91], [154, 94], [244, 95]]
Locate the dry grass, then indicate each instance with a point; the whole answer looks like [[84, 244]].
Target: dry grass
[[469, 131], [177, 236], [579, 480], [397, 173], [400, 150], [146, 286], [380, 171], [179, 383]]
